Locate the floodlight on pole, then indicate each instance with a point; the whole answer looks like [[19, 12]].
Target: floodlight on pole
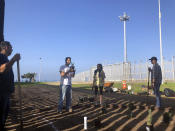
[[124, 18], [160, 33]]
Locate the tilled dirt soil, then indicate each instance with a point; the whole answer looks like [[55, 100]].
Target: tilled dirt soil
[[39, 111]]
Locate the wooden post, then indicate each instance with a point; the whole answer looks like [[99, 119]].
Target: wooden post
[[2, 8], [20, 98]]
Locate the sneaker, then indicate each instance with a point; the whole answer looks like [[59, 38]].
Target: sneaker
[[69, 110], [60, 112]]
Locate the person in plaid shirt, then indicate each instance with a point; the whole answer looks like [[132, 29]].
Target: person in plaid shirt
[[156, 80]]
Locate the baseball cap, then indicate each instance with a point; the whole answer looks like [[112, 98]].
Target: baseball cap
[[153, 58]]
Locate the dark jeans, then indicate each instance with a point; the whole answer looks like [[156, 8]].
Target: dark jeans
[[4, 109], [157, 93]]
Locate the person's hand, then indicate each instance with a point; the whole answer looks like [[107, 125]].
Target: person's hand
[[152, 84], [72, 70], [16, 57], [154, 81], [149, 69]]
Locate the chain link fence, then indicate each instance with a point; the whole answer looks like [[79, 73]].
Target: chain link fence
[[128, 71]]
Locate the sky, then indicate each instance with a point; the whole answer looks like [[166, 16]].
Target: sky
[[89, 31]]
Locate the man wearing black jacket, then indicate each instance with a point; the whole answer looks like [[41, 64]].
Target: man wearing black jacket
[[6, 80]]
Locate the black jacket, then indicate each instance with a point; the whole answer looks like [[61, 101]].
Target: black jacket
[[6, 78]]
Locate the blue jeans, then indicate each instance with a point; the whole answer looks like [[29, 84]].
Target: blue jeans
[[4, 109], [65, 90], [157, 93]]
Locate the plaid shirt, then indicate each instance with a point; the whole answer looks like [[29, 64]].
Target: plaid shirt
[[156, 74]]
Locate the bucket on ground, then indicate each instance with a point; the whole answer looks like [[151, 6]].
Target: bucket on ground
[[124, 85]]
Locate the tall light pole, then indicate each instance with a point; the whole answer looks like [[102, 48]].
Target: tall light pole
[[2, 12], [124, 18], [40, 70], [160, 33]]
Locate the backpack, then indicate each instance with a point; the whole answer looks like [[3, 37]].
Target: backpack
[[169, 92]]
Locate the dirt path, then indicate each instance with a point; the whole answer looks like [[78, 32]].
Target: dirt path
[[40, 112]]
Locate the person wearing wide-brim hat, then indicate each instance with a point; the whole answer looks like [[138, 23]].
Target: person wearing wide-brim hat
[[156, 80]]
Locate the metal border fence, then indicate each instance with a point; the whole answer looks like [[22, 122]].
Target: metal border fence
[[130, 71]]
